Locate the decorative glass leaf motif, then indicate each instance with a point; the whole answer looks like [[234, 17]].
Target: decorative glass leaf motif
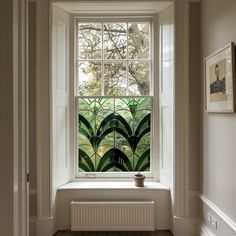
[[114, 134]]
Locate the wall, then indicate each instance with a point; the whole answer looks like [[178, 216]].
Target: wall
[[219, 130], [160, 196], [6, 118]]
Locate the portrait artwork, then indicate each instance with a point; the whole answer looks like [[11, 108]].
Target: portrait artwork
[[219, 80]]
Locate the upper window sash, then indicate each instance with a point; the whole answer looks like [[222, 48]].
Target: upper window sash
[[126, 67]]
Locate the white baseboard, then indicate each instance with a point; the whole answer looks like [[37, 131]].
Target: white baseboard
[[32, 225], [226, 219], [186, 227], [205, 231], [44, 226]]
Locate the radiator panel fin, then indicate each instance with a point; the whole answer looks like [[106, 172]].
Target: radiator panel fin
[[112, 216]]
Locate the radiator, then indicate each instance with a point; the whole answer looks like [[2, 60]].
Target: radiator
[[112, 216]]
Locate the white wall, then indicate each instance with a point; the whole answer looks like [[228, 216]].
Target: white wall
[[161, 198], [219, 130]]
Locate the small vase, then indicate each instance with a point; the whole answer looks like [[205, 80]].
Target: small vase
[[139, 180]]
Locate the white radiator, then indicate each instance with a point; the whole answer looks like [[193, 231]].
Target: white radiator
[[112, 216]]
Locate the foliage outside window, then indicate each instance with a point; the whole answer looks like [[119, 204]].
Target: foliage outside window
[[114, 102]]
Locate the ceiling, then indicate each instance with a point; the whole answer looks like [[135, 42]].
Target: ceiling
[[113, 7]]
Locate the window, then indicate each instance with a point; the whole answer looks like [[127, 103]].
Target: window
[[114, 97]]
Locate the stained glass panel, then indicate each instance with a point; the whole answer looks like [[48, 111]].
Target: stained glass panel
[[114, 134]]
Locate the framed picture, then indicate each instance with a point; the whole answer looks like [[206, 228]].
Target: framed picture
[[220, 81]]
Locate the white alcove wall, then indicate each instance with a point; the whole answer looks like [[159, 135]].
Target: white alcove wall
[[174, 172]]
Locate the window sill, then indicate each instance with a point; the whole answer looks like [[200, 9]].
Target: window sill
[[112, 186]]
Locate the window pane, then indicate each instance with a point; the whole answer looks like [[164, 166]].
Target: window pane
[[115, 40], [114, 134], [138, 40], [139, 78], [90, 40], [115, 82], [90, 78], [91, 132]]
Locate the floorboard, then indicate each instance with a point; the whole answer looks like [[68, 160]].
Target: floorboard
[[156, 233]]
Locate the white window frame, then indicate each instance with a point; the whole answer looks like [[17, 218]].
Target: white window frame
[[154, 95]]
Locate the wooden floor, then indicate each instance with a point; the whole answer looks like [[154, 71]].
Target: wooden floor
[[157, 233]]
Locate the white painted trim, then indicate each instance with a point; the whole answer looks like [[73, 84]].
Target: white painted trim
[[20, 118], [16, 127], [153, 174], [42, 111], [113, 7], [106, 185], [44, 172], [44, 226], [166, 95], [181, 119], [219, 212], [186, 227], [205, 231], [26, 116]]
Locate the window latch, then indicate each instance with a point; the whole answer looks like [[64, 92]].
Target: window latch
[[27, 177], [90, 176]]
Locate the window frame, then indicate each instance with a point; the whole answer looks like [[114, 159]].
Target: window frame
[[154, 95]]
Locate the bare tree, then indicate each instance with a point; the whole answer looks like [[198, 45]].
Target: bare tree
[[119, 43]]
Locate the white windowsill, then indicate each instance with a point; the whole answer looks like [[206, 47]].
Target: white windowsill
[[112, 186]]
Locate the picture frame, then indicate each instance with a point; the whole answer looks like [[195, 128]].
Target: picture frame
[[220, 81]]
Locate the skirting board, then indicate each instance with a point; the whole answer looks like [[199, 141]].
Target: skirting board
[[44, 226], [219, 212], [32, 225], [186, 227], [205, 231]]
